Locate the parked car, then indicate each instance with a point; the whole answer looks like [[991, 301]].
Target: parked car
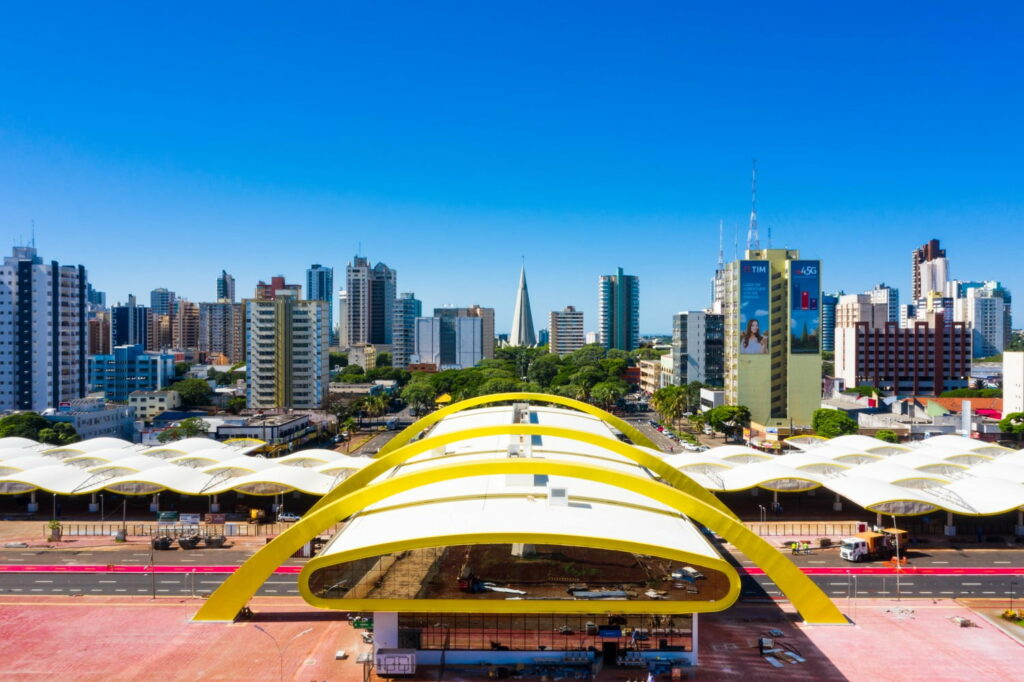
[[288, 516]]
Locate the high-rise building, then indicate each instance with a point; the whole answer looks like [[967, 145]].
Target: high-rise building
[[161, 302], [222, 330], [371, 302], [343, 318], [698, 348], [987, 316], [268, 292], [927, 358], [95, 300], [320, 287], [522, 333], [185, 325], [486, 316], [161, 333], [448, 340], [403, 332], [890, 297], [773, 336], [566, 329], [130, 324], [127, 369], [908, 313], [43, 332], [468, 342], [929, 269], [618, 311], [828, 321], [287, 347], [225, 287], [99, 333], [854, 308], [960, 291], [428, 342]]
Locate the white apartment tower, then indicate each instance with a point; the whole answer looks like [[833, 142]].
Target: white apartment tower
[[43, 332], [287, 341], [566, 329]]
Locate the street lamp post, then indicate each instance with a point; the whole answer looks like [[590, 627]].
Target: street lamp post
[[280, 649], [898, 565]]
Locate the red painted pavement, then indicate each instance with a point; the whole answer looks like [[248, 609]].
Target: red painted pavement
[[819, 570], [909, 568], [115, 568]]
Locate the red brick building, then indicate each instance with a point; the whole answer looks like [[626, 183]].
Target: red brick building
[[926, 358]]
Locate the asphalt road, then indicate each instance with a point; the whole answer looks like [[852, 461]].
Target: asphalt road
[[753, 587]]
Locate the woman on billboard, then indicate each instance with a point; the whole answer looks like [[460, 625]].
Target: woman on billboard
[[751, 341]]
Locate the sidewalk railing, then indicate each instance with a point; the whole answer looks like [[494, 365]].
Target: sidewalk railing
[[240, 529], [804, 530]]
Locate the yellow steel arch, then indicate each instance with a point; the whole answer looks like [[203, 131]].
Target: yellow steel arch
[[225, 603], [409, 432], [668, 473], [538, 605]]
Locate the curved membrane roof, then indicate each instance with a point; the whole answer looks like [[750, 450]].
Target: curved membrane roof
[[951, 473], [194, 466], [491, 509]]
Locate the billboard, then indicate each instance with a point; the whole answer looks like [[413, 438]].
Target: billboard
[[755, 295], [804, 310]]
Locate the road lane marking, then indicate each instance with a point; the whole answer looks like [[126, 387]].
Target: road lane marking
[[108, 582], [840, 584], [1000, 562], [971, 584], [120, 589], [43, 581], [940, 562], [945, 592]]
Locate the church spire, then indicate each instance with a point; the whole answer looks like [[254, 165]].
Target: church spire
[[522, 320]]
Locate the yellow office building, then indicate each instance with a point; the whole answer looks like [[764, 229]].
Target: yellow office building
[[772, 336]]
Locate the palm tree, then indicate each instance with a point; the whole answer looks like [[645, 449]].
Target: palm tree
[[670, 402]]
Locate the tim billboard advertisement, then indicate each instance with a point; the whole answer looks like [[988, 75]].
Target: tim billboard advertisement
[[755, 295], [804, 311]]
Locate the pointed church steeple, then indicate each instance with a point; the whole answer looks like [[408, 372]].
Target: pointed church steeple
[[522, 320]]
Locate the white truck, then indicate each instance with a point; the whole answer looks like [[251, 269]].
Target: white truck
[[869, 545]]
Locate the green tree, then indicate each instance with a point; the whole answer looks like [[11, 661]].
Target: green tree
[[888, 436], [337, 360], [1012, 424], [670, 403], [587, 355], [23, 425], [614, 368], [544, 369], [236, 405], [693, 395], [193, 391], [419, 395], [828, 363], [832, 423], [383, 359], [729, 420], [351, 374], [193, 427], [499, 385], [645, 353], [59, 433], [182, 368], [608, 393]]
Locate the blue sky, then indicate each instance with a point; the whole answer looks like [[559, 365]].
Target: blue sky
[[158, 144]]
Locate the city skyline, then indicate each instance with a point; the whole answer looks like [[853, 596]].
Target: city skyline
[[577, 156]]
